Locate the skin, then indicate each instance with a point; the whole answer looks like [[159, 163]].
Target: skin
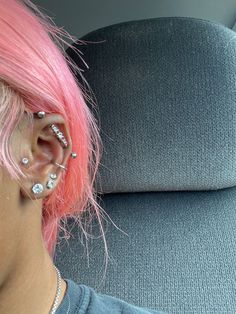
[[28, 279]]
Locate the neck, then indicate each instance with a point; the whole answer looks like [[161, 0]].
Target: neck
[[30, 285]]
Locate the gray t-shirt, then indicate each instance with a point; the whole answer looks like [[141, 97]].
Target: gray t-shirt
[[83, 299]]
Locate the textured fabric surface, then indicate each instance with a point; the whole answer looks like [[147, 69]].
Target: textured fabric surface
[[81, 299], [178, 256], [166, 94]]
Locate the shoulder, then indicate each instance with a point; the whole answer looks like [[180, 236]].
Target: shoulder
[[94, 302]]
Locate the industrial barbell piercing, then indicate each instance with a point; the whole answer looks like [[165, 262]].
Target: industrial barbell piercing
[[57, 132]]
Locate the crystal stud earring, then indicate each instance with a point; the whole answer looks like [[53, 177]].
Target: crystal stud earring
[[37, 188], [50, 183]]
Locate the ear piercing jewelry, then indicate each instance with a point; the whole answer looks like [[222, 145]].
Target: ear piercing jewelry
[[38, 187], [50, 183], [25, 161], [59, 135]]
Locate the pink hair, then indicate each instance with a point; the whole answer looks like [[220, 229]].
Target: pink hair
[[35, 76]]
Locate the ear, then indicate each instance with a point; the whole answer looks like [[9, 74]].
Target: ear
[[44, 150]]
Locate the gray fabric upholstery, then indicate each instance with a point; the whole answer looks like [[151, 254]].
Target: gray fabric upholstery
[[166, 91]]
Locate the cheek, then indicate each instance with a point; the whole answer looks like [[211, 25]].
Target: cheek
[[9, 235], [7, 249], [9, 213]]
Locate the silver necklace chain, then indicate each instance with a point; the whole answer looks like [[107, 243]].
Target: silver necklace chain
[[54, 306]]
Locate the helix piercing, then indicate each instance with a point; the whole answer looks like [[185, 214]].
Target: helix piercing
[[41, 114], [73, 155]]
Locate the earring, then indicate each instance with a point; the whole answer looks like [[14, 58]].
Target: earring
[[25, 161], [59, 135], [37, 188], [50, 183], [41, 114], [73, 155]]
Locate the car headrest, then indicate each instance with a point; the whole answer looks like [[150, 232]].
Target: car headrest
[[166, 98]]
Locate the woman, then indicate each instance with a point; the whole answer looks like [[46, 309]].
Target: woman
[[49, 152]]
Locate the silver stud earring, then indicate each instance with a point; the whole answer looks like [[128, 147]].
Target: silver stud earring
[[53, 176], [41, 114], [25, 161], [73, 155]]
